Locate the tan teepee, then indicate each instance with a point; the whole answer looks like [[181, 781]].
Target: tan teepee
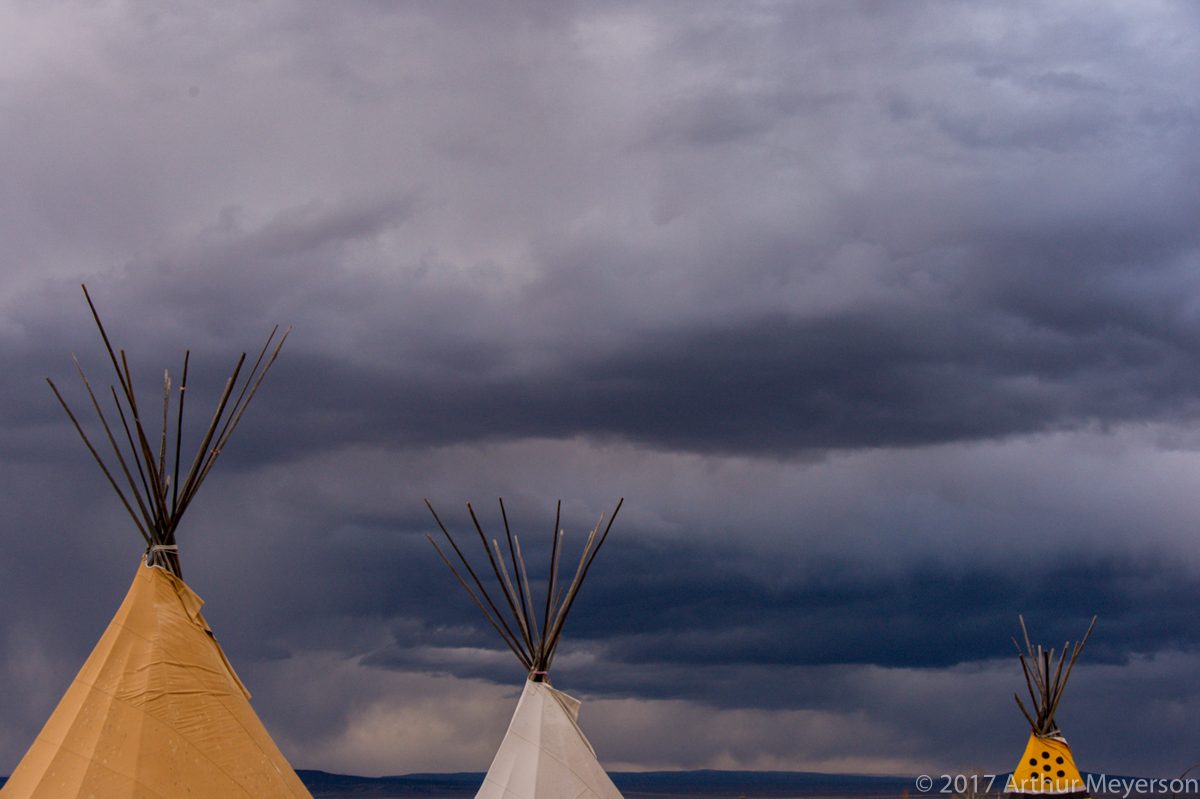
[[157, 711], [544, 754]]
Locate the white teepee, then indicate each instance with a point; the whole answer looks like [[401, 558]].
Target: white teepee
[[544, 754]]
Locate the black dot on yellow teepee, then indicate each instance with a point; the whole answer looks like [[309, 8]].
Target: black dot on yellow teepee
[[1062, 773], [1033, 761], [1045, 768], [1045, 755], [1058, 760]]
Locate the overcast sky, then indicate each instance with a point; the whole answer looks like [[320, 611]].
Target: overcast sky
[[884, 318]]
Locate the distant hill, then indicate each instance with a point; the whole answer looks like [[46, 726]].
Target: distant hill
[[338, 786], [642, 785], [635, 785]]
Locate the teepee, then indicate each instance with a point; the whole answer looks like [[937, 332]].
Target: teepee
[[157, 710], [1047, 768], [544, 754]]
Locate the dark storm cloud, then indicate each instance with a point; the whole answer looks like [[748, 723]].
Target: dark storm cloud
[[784, 385], [883, 316], [1116, 346], [695, 609], [993, 298]]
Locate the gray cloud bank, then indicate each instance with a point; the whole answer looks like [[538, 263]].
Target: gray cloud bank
[[882, 317]]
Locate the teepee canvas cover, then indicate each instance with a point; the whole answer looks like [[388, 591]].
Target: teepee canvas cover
[[1047, 767], [544, 754], [157, 711]]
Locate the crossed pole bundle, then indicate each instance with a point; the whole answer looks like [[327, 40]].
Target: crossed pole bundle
[[153, 495], [533, 644], [1045, 691]]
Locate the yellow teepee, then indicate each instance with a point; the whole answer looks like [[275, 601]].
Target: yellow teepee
[[157, 711], [1047, 767]]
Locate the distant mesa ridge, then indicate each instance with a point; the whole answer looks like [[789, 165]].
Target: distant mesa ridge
[[633, 783], [325, 785]]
